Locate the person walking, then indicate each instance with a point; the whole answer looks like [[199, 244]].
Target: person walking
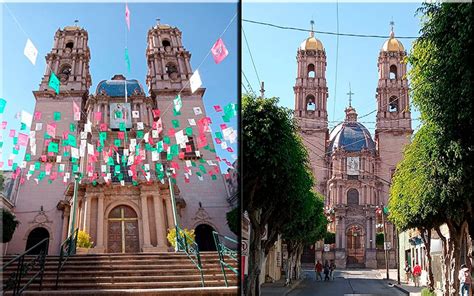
[[318, 268], [417, 274], [407, 271], [464, 280], [332, 268], [326, 271]]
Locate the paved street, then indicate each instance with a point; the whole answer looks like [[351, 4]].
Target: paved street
[[346, 282]]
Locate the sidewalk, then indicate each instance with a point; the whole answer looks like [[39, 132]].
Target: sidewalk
[[408, 289], [278, 288]]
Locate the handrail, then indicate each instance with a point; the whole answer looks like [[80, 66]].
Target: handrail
[[190, 249], [223, 251], [24, 266], [68, 248]]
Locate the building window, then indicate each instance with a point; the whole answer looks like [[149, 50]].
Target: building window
[[393, 72], [190, 150], [310, 103], [311, 71], [166, 44], [50, 156], [70, 45], [121, 174], [172, 71], [352, 197], [393, 104]]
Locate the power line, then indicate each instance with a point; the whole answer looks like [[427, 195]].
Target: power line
[[325, 32], [251, 57], [248, 83]]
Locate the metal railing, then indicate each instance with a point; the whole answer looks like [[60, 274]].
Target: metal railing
[[25, 263], [68, 248], [224, 251], [190, 247]]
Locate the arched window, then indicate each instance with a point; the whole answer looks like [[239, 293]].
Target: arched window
[[204, 237], [393, 104], [393, 72], [172, 71], [311, 71], [70, 45], [166, 44], [310, 103], [353, 197], [36, 235]]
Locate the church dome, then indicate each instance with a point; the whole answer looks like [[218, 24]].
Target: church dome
[[350, 135], [116, 87], [393, 44], [311, 43]]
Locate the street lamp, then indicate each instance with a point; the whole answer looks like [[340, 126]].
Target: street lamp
[[173, 205], [77, 177]]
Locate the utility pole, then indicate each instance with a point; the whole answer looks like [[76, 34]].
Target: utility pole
[[262, 90], [398, 257], [77, 175]]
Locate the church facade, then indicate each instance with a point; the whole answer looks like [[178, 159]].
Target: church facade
[[121, 143], [352, 169]]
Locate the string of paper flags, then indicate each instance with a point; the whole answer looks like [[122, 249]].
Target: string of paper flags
[[134, 154]]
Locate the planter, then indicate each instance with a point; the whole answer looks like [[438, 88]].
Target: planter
[[82, 251]]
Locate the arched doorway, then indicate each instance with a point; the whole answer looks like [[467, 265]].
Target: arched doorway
[[309, 255], [355, 239], [122, 236], [204, 237], [35, 236]]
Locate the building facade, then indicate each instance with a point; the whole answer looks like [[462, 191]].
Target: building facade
[[352, 169], [120, 143]]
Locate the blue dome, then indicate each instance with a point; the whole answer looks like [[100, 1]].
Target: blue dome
[[350, 136], [116, 87]]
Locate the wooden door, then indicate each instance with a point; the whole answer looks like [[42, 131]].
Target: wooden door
[[123, 231]]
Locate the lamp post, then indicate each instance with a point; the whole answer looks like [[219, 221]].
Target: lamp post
[[77, 176], [173, 206], [385, 241]]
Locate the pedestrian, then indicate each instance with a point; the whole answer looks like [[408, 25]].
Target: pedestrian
[[326, 271], [318, 268], [416, 274], [332, 268], [465, 280], [407, 271]]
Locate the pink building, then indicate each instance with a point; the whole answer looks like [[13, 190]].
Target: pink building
[[116, 137]]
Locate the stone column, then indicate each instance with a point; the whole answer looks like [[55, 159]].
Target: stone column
[[160, 222], [100, 224], [145, 221], [169, 213], [65, 224], [87, 219]]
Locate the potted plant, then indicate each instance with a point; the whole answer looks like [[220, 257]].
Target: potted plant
[[84, 242], [190, 236], [9, 223]]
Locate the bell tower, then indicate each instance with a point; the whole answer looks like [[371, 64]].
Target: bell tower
[[169, 64], [69, 60], [311, 95], [393, 122]]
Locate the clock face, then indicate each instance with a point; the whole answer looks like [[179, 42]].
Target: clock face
[[353, 165]]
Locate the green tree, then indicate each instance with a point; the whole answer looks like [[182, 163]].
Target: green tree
[[9, 224], [233, 220], [275, 176], [441, 168]]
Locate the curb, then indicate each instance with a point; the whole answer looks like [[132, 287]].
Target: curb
[[293, 286], [402, 289]]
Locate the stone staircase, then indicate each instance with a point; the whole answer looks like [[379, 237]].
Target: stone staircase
[[133, 274]]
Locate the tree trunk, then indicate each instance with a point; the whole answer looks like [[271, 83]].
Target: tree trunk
[[255, 255], [456, 233], [444, 262], [299, 252], [426, 237]]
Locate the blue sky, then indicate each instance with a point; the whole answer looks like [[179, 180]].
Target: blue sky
[[201, 25], [274, 50]]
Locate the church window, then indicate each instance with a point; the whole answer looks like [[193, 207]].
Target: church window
[[166, 44], [352, 197], [311, 71], [310, 103], [393, 104], [70, 45], [172, 71], [190, 149], [393, 72], [121, 174]]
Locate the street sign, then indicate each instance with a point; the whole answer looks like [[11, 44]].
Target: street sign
[[387, 245], [327, 247]]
